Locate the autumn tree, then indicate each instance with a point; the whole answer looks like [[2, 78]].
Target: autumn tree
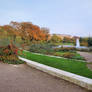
[[29, 31], [46, 31], [10, 32], [26, 31]]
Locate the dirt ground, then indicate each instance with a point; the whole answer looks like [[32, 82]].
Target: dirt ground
[[22, 78]]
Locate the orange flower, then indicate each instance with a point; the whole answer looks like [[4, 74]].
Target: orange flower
[[6, 51]]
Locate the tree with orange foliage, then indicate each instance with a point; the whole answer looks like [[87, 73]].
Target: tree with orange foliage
[[31, 32]]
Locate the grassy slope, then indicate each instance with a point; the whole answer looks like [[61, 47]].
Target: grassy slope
[[72, 66]]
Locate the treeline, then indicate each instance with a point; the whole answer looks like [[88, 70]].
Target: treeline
[[62, 39], [86, 41], [24, 32], [27, 33]]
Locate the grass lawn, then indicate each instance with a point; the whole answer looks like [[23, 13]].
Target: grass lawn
[[72, 66], [64, 44], [67, 44]]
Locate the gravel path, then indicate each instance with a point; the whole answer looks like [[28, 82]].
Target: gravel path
[[88, 57], [22, 78]]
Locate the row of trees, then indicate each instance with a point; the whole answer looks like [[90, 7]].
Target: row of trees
[[57, 39], [86, 41], [26, 31]]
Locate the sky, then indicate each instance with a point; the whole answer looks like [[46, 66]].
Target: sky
[[73, 17]]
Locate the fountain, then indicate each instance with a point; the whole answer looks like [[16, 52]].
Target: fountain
[[77, 43]]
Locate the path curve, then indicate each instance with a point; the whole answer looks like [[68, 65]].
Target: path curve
[[88, 58], [22, 78], [86, 55]]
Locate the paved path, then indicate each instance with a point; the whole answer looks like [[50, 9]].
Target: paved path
[[88, 57], [22, 78]]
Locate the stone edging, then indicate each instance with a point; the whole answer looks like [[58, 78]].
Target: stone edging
[[76, 79]]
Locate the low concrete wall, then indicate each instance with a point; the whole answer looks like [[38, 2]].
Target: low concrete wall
[[79, 80]]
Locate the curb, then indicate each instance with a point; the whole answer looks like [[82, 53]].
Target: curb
[[76, 79]]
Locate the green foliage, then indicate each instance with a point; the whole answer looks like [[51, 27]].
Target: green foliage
[[84, 44], [68, 40], [84, 41], [45, 48], [65, 49], [83, 49], [90, 41], [55, 39]]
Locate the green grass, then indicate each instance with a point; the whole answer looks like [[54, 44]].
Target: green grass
[[67, 44], [72, 66], [64, 44]]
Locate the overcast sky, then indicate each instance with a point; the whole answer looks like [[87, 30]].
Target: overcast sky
[[73, 17]]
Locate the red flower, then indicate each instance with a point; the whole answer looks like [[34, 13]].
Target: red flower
[[16, 51]]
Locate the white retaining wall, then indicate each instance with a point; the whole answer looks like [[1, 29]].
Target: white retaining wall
[[79, 80]]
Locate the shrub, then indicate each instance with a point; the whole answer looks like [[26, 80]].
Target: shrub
[[90, 41], [57, 54], [41, 48], [84, 44], [57, 49], [68, 55], [83, 49], [65, 49], [9, 54], [90, 49]]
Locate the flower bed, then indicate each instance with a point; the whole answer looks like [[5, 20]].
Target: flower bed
[[9, 54]]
